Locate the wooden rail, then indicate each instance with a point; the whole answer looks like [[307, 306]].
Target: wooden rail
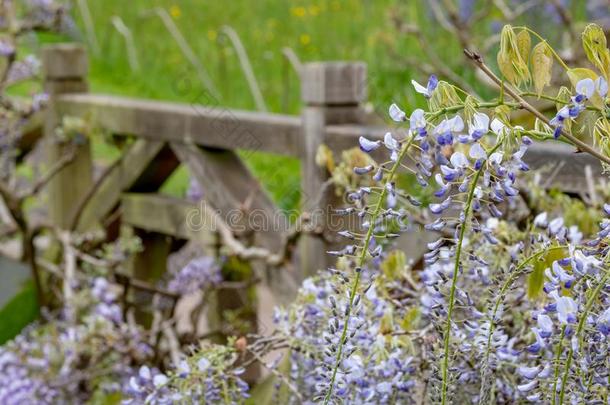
[[205, 138], [209, 126]]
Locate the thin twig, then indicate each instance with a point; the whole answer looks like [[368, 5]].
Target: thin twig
[[63, 161], [581, 146], [246, 67], [132, 52]]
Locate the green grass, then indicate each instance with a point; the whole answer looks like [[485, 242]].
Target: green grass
[[314, 29]]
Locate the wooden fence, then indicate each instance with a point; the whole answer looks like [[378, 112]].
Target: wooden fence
[[205, 138]]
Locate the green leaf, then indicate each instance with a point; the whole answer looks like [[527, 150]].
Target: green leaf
[[470, 108], [510, 60], [535, 280], [542, 65], [444, 96], [594, 44], [409, 322], [601, 136], [524, 43], [20, 311], [502, 112]]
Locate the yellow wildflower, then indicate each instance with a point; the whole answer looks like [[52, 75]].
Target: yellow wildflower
[[298, 11], [175, 11]]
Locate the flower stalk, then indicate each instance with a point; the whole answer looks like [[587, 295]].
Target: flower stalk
[[361, 261]]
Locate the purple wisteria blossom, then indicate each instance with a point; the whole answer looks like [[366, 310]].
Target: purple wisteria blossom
[[200, 273]]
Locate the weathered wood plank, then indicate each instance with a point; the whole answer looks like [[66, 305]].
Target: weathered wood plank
[[169, 216], [64, 62], [568, 165], [121, 178], [211, 126], [235, 193], [240, 203]]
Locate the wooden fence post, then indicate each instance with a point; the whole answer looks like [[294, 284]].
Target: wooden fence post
[[65, 68], [332, 93]]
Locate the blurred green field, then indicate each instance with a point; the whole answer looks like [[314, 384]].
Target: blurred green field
[[314, 29]]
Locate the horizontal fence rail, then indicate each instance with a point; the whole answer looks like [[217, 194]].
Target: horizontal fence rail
[[209, 126]]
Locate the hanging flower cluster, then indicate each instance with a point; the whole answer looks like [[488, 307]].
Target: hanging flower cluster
[[208, 376], [377, 365], [200, 273]]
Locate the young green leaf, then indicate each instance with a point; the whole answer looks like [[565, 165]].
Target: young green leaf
[[444, 96], [524, 44], [594, 44], [542, 65], [510, 60]]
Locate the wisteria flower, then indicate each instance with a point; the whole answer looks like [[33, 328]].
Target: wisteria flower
[[566, 309], [498, 127], [417, 122], [585, 89], [397, 114], [426, 91], [601, 86], [367, 145], [478, 126]]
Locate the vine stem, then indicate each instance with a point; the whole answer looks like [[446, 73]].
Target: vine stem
[[478, 60], [581, 325], [556, 100], [514, 275], [459, 107], [557, 357], [456, 268], [360, 263]]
